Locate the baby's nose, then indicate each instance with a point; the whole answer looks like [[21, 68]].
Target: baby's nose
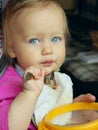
[[47, 49]]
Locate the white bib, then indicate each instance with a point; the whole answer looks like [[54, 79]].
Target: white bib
[[52, 98]]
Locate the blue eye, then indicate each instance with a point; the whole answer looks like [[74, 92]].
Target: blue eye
[[34, 41], [55, 39]]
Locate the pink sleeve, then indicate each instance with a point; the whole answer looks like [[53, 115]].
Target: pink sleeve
[[4, 117], [10, 87]]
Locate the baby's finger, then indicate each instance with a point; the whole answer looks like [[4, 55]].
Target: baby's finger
[[89, 98], [32, 73], [85, 98], [27, 76]]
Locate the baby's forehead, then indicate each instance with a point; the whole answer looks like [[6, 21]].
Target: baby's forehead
[[38, 26], [28, 13], [26, 10]]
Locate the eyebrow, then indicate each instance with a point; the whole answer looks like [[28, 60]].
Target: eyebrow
[[62, 33], [41, 33]]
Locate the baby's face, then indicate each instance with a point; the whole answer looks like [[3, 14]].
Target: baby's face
[[38, 38]]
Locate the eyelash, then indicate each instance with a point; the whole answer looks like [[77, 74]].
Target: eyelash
[[34, 41], [37, 41], [56, 38]]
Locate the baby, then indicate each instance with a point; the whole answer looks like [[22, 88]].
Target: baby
[[35, 37]]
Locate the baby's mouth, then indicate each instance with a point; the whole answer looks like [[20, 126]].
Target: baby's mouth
[[47, 62]]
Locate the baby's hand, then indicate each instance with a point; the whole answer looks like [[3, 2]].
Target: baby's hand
[[85, 115], [85, 98], [35, 81]]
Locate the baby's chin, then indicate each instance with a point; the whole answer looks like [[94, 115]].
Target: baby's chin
[[48, 72]]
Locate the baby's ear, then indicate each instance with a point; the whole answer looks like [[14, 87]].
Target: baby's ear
[[10, 50]]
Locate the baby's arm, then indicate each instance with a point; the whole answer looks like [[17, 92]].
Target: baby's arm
[[22, 107]]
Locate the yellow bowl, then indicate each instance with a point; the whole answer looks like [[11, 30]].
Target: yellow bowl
[[46, 124]]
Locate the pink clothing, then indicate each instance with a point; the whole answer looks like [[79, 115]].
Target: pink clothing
[[10, 87]]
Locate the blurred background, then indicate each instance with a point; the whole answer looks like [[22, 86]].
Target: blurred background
[[82, 18]]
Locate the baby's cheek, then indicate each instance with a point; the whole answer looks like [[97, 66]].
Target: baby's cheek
[[60, 61]]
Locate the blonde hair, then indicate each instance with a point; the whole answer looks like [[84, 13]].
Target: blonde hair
[[16, 6]]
